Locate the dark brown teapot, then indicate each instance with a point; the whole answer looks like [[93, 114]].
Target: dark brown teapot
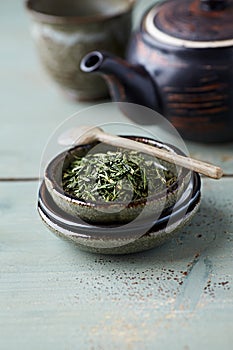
[[180, 64]]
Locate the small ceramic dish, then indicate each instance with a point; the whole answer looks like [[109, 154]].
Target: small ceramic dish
[[110, 213], [121, 239]]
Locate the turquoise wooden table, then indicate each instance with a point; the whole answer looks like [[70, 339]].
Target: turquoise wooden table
[[53, 296]]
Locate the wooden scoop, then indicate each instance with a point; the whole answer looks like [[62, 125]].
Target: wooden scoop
[[88, 134]]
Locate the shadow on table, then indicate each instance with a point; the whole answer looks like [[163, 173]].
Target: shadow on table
[[207, 233]]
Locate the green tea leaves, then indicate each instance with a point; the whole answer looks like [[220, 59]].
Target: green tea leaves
[[120, 176]]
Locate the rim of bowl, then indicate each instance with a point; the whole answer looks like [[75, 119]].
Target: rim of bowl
[[57, 19], [65, 196]]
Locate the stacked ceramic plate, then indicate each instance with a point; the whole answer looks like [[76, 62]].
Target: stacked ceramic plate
[[120, 240]]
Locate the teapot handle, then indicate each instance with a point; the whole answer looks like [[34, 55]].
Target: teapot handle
[[213, 5]]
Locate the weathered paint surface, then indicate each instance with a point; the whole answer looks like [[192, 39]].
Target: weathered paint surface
[[53, 296]]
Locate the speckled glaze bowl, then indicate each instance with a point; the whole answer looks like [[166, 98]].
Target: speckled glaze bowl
[[111, 239], [66, 30], [110, 213]]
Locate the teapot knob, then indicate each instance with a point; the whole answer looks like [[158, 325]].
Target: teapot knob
[[213, 5]]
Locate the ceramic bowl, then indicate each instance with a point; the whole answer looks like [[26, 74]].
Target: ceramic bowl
[[120, 239], [110, 213], [66, 30]]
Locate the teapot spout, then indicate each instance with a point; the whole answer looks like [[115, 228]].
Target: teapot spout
[[127, 83]]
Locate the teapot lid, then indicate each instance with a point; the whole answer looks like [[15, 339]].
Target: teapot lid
[[192, 23]]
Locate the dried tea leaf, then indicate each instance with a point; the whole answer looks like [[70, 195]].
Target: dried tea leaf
[[120, 176]]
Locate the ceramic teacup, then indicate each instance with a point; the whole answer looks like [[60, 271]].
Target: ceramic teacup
[[66, 30]]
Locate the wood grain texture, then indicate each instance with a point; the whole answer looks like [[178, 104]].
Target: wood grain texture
[[53, 296], [32, 107]]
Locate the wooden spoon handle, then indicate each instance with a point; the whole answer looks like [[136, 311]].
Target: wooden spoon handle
[[189, 163]]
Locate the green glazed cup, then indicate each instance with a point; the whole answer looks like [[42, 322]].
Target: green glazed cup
[[66, 30]]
